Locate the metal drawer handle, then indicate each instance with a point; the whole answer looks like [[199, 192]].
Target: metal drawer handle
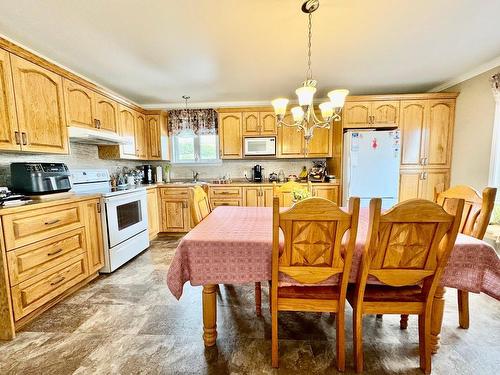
[[25, 138], [57, 281], [55, 252], [18, 139], [52, 222]]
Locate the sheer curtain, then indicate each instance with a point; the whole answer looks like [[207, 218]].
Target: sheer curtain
[[494, 177]]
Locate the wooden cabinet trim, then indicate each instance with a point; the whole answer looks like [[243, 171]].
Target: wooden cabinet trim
[[10, 138]]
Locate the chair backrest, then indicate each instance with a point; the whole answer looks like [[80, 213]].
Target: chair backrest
[[314, 249], [409, 243], [284, 192], [198, 203], [477, 209]]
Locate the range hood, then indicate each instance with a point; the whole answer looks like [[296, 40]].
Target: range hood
[[95, 137]]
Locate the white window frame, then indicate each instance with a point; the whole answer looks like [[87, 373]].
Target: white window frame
[[494, 175], [196, 161]]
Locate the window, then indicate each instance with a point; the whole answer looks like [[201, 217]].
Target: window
[[199, 149], [494, 177]]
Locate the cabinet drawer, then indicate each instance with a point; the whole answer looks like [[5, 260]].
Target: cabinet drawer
[[225, 192], [31, 260], [173, 193], [32, 226], [226, 202], [37, 291]]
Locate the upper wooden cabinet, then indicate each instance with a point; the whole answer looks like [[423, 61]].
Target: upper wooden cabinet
[[259, 123], [40, 107], [79, 104], [10, 138], [106, 113], [371, 114], [153, 137], [127, 120], [141, 136], [426, 133], [230, 135]]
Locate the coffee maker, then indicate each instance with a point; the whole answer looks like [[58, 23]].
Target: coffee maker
[[257, 173]]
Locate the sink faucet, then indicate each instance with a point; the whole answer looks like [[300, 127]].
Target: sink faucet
[[195, 176]]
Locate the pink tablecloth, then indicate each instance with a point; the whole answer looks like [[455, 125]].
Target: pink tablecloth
[[233, 245]]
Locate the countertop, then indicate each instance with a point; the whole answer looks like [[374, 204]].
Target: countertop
[[233, 183], [34, 204]]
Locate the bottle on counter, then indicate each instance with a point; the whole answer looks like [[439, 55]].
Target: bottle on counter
[[281, 176]]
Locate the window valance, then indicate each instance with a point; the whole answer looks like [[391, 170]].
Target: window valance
[[197, 121]]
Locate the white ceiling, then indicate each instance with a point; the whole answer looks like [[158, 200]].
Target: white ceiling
[[155, 51]]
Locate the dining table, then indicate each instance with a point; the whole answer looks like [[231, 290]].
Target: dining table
[[233, 245]]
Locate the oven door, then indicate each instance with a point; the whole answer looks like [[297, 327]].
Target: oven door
[[126, 216]]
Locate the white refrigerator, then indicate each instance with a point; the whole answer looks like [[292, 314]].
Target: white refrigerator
[[371, 166]]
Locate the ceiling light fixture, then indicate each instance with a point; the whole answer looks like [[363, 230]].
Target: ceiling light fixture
[[304, 118]]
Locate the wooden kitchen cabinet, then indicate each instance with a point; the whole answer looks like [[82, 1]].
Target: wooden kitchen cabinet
[[290, 141], [153, 213], [251, 123], [259, 124], [106, 112], [426, 133], [230, 135], [93, 228], [40, 108], [421, 183], [141, 136], [175, 215], [79, 105], [10, 138], [153, 137], [127, 130], [371, 114], [258, 196], [268, 125], [320, 146], [330, 192]]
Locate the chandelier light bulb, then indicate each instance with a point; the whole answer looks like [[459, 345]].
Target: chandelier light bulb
[[297, 114], [280, 106], [326, 109], [305, 95], [337, 97]]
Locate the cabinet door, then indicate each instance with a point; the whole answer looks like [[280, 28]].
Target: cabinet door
[[252, 196], [267, 123], [40, 108], [251, 124], [356, 115], [414, 115], [153, 216], [106, 111], [10, 139], [321, 143], [93, 230], [439, 133], [267, 195], [385, 113], [175, 215], [430, 179], [230, 136], [153, 137], [328, 192], [141, 136], [127, 130], [290, 141], [410, 182], [79, 104]]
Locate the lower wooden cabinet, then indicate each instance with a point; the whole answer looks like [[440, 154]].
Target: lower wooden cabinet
[[175, 215], [93, 227], [153, 213], [421, 183], [258, 196], [326, 191]]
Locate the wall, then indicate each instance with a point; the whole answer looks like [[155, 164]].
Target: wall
[[85, 156], [475, 111]]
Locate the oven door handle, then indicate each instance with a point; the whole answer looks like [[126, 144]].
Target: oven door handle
[[126, 197]]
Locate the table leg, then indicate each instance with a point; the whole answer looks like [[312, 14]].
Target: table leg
[[437, 318], [258, 299], [209, 314]]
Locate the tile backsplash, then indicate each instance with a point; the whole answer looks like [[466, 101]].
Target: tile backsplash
[[86, 156]]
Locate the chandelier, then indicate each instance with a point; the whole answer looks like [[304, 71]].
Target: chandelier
[[304, 116]]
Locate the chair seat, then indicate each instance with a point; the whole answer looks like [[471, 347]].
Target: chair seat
[[309, 292], [387, 293]]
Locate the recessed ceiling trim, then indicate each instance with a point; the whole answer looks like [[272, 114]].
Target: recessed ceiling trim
[[256, 103], [468, 75]]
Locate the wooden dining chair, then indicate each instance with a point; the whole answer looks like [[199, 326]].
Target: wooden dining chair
[[474, 222], [313, 251], [198, 204], [284, 192], [407, 249], [200, 208]]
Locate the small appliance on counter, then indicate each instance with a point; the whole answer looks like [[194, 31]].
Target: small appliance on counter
[[148, 174], [257, 173], [159, 174], [40, 178], [8, 198], [273, 177], [318, 171]]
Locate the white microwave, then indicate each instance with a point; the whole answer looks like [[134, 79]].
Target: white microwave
[[260, 146]]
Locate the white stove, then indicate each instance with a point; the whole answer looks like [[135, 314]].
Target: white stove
[[124, 217]]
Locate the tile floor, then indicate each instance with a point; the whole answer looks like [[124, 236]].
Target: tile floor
[[129, 323]]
